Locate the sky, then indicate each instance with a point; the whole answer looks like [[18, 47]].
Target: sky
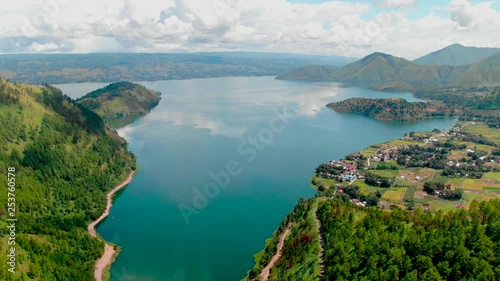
[[404, 28]]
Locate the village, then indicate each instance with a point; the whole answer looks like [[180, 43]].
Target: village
[[417, 159]]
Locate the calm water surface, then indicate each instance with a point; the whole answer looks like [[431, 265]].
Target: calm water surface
[[199, 127]]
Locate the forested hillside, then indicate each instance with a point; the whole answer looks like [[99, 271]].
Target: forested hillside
[[389, 109], [119, 100], [370, 244], [65, 160], [299, 260]]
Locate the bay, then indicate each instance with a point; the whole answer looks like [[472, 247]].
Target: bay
[[199, 127]]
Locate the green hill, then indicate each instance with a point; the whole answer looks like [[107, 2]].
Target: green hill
[[375, 69], [121, 100], [385, 72], [490, 101], [485, 72], [381, 69], [457, 54], [65, 159], [315, 73]]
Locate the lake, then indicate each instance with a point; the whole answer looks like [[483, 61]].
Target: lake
[[222, 161]]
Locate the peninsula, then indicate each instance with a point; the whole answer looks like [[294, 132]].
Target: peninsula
[[122, 100]]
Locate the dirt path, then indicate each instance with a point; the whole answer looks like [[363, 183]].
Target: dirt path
[[321, 248], [109, 251], [264, 275]]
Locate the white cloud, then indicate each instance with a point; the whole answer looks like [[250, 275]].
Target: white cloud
[[467, 15], [334, 27], [390, 4]]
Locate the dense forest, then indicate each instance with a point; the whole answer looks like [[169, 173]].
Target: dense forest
[[370, 244], [65, 160], [390, 109]]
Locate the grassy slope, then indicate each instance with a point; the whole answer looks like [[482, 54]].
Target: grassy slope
[[73, 161], [457, 54]]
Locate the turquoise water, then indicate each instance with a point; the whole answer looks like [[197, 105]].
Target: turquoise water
[[200, 127]]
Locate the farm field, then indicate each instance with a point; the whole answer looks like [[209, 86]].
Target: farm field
[[470, 168]]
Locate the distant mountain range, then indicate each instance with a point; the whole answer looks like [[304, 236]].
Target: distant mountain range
[[386, 72], [77, 68], [456, 55], [310, 73]]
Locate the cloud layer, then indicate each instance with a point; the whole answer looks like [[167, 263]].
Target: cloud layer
[[335, 27]]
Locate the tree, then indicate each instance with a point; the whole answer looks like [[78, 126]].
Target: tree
[[372, 200]]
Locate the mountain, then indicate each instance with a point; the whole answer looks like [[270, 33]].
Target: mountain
[[385, 72], [375, 69], [122, 99], [316, 73], [62, 160], [77, 68], [457, 54], [485, 72]]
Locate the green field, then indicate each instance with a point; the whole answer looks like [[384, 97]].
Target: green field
[[395, 195], [411, 180]]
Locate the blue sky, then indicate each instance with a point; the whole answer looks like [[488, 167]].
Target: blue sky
[[421, 9]]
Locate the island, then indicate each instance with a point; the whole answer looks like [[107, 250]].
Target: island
[[121, 103], [394, 109]]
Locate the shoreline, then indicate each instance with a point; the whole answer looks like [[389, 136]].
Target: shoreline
[[264, 275], [109, 251]]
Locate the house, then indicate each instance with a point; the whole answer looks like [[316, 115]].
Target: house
[[470, 151], [350, 167], [348, 177]]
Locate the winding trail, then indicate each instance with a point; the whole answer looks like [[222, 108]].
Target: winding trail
[[321, 248], [264, 275], [109, 251]]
